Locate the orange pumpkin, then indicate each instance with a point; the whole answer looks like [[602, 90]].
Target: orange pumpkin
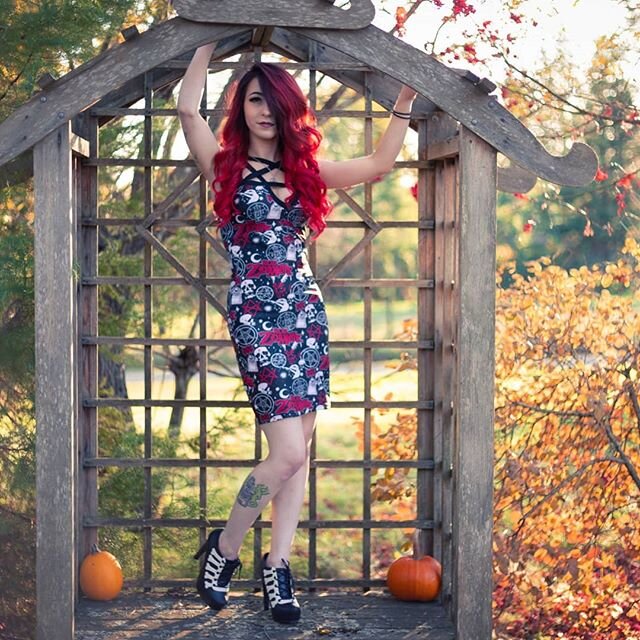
[[100, 575], [415, 578]]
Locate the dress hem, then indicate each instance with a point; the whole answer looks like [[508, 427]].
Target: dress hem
[[296, 414]]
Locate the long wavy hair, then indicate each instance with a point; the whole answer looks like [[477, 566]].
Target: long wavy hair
[[298, 142]]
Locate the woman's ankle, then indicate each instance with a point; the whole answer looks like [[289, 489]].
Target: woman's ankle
[[227, 551], [275, 564]]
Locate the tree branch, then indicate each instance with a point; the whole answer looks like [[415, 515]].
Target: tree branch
[[576, 109], [555, 412], [623, 457], [560, 485]]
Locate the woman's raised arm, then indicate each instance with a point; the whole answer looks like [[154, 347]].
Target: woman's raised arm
[[200, 139], [346, 173]]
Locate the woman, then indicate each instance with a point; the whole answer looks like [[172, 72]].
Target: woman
[[268, 188]]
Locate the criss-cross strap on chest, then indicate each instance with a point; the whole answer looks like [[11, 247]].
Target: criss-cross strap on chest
[[256, 176]]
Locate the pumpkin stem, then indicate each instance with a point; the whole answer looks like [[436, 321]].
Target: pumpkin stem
[[95, 548]]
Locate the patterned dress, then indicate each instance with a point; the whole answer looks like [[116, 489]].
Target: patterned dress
[[275, 310]]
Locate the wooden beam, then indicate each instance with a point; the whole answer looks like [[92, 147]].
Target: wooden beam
[[79, 145], [473, 442], [384, 89], [444, 149], [55, 383], [468, 104], [441, 144], [485, 84], [133, 90], [83, 86], [261, 36], [514, 179], [278, 13]]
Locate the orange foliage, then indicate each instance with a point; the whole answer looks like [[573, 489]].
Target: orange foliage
[[567, 452], [567, 456]]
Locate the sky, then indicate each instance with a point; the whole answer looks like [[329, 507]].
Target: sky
[[579, 22]]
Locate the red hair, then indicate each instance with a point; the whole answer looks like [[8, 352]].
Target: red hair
[[298, 142]]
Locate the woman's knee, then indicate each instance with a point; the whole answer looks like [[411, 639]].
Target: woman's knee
[[289, 461]]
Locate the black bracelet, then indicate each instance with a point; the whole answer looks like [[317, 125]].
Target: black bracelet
[[401, 114]]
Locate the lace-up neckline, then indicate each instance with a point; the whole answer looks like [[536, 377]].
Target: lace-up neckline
[[257, 177]]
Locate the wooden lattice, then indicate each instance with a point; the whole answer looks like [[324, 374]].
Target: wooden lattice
[[436, 178]]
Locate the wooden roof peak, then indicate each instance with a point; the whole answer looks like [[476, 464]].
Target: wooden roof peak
[[323, 14], [466, 101]]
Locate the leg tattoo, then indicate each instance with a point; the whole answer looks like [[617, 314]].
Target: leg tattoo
[[251, 493]]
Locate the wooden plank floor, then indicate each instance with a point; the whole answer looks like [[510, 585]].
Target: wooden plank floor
[[182, 615]]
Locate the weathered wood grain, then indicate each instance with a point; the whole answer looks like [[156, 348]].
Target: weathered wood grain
[[55, 384], [383, 88], [468, 104], [442, 141], [427, 443], [133, 90], [277, 13], [333, 614], [88, 321], [83, 86], [514, 179], [473, 454]]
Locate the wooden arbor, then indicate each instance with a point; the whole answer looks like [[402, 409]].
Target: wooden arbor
[[460, 128]]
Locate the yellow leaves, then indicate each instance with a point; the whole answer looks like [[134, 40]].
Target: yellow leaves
[[617, 341], [607, 280], [409, 330], [407, 362], [631, 247], [567, 353], [542, 555], [616, 611], [606, 60]]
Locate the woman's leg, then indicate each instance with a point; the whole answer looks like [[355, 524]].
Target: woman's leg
[[287, 503], [287, 454]]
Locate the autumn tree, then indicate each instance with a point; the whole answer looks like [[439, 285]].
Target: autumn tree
[[567, 451], [567, 457]]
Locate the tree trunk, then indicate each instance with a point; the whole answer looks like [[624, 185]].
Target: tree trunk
[[112, 376], [183, 366]]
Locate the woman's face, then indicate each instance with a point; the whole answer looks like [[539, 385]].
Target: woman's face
[[257, 115]]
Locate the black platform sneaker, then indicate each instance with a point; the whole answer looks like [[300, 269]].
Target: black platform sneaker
[[278, 592], [215, 572]]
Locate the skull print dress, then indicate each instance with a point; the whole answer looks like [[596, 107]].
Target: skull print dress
[[275, 309]]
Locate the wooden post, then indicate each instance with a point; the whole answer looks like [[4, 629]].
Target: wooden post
[[473, 452], [55, 383], [442, 148], [87, 487]]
